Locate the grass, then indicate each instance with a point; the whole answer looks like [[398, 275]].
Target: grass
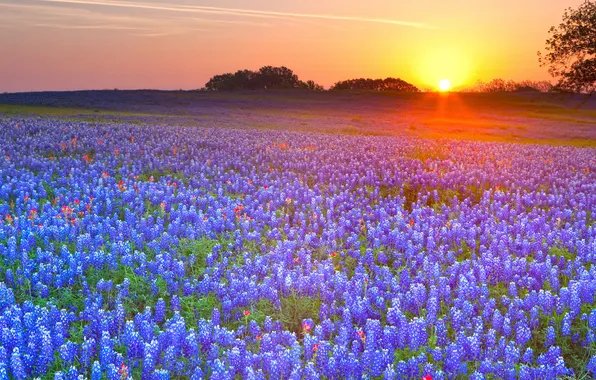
[[159, 174], [444, 196], [198, 249], [425, 154], [576, 357], [293, 310], [500, 117], [561, 252], [15, 110], [193, 308], [140, 292]]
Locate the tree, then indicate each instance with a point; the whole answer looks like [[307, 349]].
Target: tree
[[311, 85], [571, 50], [223, 82], [500, 85], [267, 78], [387, 84], [277, 78]]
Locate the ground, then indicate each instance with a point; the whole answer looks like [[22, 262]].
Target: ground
[[509, 117], [176, 235]]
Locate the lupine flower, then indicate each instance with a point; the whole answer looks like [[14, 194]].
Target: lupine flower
[[463, 284]]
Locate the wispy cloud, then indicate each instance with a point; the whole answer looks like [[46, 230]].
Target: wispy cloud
[[235, 22], [240, 12], [103, 26], [40, 14], [65, 17]]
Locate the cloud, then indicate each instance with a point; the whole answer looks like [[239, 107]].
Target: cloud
[[102, 26], [45, 14], [239, 12], [36, 15]]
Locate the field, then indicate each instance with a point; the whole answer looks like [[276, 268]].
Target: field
[[297, 236]]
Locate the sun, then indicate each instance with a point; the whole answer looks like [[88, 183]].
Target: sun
[[444, 85]]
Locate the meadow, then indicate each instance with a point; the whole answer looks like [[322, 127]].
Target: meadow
[[285, 236]]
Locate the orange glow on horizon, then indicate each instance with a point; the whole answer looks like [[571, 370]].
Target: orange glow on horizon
[[434, 65], [92, 44]]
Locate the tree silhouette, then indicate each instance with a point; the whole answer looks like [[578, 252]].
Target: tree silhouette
[[277, 77], [311, 86], [267, 78], [500, 85], [571, 49], [387, 84]]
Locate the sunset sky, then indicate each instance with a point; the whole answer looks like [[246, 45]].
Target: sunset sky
[[180, 44]]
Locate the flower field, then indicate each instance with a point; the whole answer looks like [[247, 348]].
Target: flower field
[[153, 252]]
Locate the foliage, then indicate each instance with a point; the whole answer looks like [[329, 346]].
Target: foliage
[[387, 84], [292, 311], [570, 52], [500, 85], [267, 78]]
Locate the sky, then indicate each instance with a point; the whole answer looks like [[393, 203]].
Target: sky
[[180, 44]]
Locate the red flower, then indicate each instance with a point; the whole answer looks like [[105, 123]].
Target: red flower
[[123, 371], [305, 327], [333, 254], [315, 348], [246, 313], [361, 335], [427, 377]]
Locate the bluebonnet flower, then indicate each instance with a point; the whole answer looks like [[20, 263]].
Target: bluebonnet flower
[[96, 372], [16, 365], [160, 310], [566, 325], [398, 273]]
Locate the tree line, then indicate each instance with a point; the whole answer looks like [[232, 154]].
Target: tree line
[[500, 85], [266, 78], [387, 84], [282, 78]]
